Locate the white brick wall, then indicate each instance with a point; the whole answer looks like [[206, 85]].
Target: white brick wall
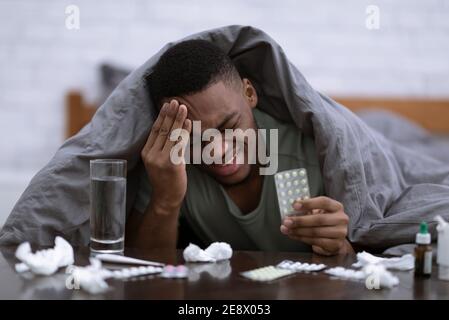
[[40, 59]]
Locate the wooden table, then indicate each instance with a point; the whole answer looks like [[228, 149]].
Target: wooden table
[[218, 281]]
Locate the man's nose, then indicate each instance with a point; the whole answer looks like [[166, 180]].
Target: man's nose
[[220, 148]]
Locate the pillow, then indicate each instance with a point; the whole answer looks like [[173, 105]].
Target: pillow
[[110, 77]]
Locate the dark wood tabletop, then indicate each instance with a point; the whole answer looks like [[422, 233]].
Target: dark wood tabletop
[[217, 280]]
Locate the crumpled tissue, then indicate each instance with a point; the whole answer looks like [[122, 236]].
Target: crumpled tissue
[[217, 251], [375, 272], [404, 263], [90, 278], [375, 269], [379, 273], [47, 261]]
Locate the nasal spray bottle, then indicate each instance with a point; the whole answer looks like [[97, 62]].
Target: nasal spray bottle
[[443, 248], [423, 252]]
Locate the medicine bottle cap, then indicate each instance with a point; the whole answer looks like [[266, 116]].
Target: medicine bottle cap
[[423, 237]]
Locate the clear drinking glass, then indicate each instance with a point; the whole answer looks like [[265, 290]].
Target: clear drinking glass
[[107, 205]]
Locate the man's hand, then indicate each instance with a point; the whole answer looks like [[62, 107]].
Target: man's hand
[[324, 226], [168, 180]]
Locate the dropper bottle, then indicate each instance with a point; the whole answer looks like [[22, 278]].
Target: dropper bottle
[[423, 252]]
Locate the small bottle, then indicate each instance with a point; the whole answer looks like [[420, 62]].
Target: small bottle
[[423, 252]]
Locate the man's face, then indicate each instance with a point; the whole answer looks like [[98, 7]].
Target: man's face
[[222, 106]]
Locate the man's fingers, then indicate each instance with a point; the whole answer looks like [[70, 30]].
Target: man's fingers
[[334, 232], [177, 124], [187, 126], [155, 129], [164, 131], [324, 203], [316, 220], [321, 251]]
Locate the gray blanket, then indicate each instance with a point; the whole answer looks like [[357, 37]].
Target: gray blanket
[[386, 188]]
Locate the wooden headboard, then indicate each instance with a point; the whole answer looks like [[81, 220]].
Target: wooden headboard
[[431, 114], [78, 112]]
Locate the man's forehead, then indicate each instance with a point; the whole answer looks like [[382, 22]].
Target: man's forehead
[[213, 119], [210, 104]]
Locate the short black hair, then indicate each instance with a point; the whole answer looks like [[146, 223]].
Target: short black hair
[[190, 67]]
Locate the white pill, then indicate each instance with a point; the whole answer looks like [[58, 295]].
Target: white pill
[[294, 173], [295, 183], [289, 184], [281, 185], [287, 175], [142, 269], [134, 272]]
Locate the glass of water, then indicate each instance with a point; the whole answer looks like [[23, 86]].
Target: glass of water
[[107, 205]]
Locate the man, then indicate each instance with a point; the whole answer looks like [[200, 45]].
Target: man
[[387, 188], [195, 81]]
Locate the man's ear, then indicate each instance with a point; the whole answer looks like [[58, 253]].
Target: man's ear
[[250, 93]]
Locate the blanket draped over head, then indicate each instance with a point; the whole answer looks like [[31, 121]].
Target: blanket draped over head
[[386, 189]]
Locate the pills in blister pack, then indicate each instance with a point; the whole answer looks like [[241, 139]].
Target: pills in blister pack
[[290, 186], [301, 267], [175, 272], [135, 272], [268, 273]]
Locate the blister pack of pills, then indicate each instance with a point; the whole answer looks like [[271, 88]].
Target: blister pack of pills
[[175, 272], [300, 267], [268, 273], [290, 186], [135, 272]]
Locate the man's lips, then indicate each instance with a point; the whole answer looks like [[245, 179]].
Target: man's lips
[[225, 169]]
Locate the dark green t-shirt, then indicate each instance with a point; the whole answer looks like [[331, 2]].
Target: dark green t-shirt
[[213, 215]]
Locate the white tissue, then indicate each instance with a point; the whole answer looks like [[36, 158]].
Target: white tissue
[[376, 268], [386, 278], [21, 267], [92, 277], [47, 261], [404, 263], [377, 272], [193, 253], [217, 251]]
